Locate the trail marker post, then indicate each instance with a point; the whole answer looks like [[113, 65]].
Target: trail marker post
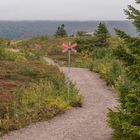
[[69, 48]]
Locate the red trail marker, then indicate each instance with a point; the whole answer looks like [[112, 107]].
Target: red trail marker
[[69, 48]]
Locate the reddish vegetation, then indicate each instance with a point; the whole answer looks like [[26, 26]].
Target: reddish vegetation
[[5, 97], [8, 83], [38, 46]]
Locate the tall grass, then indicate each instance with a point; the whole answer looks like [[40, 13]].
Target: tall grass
[[31, 90]]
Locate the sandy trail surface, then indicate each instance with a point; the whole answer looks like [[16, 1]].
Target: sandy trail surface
[[86, 123]]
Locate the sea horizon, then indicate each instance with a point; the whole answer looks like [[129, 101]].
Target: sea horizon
[[16, 28]]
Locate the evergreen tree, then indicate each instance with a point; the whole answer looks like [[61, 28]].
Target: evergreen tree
[[102, 29], [101, 35], [61, 32], [126, 121], [134, 14]]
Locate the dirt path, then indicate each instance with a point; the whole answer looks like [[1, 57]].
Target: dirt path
[[87, 123]]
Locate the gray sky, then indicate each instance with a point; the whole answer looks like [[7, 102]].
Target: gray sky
[[63, 9]]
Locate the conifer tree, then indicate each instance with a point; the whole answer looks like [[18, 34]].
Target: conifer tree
[[61, 32], [126, 121], [131, 53], [101, 35]]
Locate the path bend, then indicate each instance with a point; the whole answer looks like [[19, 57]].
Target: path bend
[[86, 123]]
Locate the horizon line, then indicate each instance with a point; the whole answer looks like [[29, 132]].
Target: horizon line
[[26, 20]]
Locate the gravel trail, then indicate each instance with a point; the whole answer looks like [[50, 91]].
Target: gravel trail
[[86, 123]]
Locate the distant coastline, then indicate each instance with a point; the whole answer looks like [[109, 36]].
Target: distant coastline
[[29, 28]]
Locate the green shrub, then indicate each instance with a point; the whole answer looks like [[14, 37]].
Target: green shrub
[[37, 101], [32, 91], [101, 53], [125, 79], [85, 44], [6, 54]]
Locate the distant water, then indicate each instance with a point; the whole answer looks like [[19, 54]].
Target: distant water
[[25, 29]]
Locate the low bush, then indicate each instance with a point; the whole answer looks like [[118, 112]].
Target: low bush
[[104, 63], [6, 54], [36, 102], [30, 92]]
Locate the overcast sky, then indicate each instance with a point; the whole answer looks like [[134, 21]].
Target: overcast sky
[[63, 9]]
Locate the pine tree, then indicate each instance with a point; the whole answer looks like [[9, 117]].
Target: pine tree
[[102, 29], [126, 121], [101, 35], [131, 54], [61, 32], [134, 14]]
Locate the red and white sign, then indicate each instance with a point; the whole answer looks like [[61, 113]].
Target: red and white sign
[[71, 47]]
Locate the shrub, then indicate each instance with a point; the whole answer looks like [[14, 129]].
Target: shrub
[[37, 101], [31, 92], [12, 56]]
